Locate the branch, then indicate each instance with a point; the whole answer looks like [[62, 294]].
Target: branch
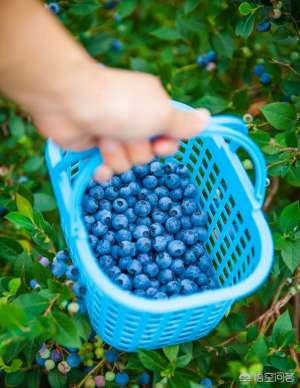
[[285, 64], [51, 304], [273, 191], [100, 363], [297, 315]]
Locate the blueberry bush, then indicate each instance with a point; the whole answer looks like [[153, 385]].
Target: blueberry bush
[[231, 57]]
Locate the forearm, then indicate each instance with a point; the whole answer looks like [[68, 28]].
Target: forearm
[[38, 57]]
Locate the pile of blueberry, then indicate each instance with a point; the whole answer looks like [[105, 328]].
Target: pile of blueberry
[[207, 60], [147, 231], [260, 71]]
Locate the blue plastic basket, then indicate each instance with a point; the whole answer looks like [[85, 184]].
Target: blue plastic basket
[[239, 244]]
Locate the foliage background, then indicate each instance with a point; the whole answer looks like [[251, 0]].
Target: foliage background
[[261, 332]]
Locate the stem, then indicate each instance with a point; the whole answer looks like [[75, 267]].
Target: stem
[[100, 363], [51, 304], [285, 64], [297, 315], [273, 191]]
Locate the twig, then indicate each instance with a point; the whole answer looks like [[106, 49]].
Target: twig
[[273, 191], [285, 64], [297, 315], [295, 358], [51, 304], [100, 363]]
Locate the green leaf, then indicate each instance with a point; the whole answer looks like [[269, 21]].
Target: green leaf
[[152, 360], [282, 326], [281, 115], [16, 126], [33, 304], [166, 33], [183, 361], [245, 26], [83, 326], [214, 104], [14, 285], [290, 217], [258, 350], [43, 202], [67, 333], [98, 44], [9, 248], [281, 362], [291, 254], [57, 379], [190, 5], [126, 7], [15, 378], [245, 8], [33, 164], [85, 7], [24, 206], [33, 378], [20, 220], [140, 64], [224, 44], [171, 352]]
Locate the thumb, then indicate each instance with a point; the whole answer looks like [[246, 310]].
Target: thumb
[[183, 125]]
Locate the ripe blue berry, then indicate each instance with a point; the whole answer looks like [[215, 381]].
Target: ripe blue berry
[[259, 69], [125, 192], [72, 272], [121, 378], [165, 276], [93, 240], [159, 243], [175, 211], [213, 283], [211, 56], [99, 229], [150, 292], [190, 191], [146, 221], [173, 287], [73, 360], [116, 181], [190, 236], [39, 360], [120, 205], [34, 284], [62, 256], [184, 182], [176, 194], [202, 279], [141, 281], [151, 269], [161, 191], [170, 167], [89, 204], [172, 225], [123, 281], [156, 229], [142, 208], [58, 268], [125, 262], [54, 7], [152, 199], [163, 260], [116, 45], [88, 221], [160, 295], [159, 216], [172, 181], [189, 206], [190, 257], [144, 378], [110, 236], [144, 258], [204, 263], [96, 192], [154, 283], [128, 176], [143, 245], [199, 250], [56, 355], [176, 248], [188, 287], [164, 203], [141, 170], [156, 169], [119, 221], [105, 204], [206, 382], [150, 182], [130, 214], [134, 188], [111, 356], [134, 268], [131, 200], [103, 247], [106, 261], [182, 170], [186, 222], [123, 235], [115, 251], [104, 216], [263, 26], [113, 272], [202, 60], [192, 272], [141, 231], [265, 79], [127, 248], [111, 193], [78, 289], [199, 218], [201, 233]]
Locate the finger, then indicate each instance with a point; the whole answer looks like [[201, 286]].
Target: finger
[[139, 151], [103, 173], [183, 125], [164, 146], [115, 155]]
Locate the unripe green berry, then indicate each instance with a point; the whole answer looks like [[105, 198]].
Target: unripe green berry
[[45, 354], [246, 52], [248, 164], [89, 346], [248, 118], [294, 55], [90, 382], [110, 376], [73, 308], [99, 352], [89, 363], [49, 364], [135, 386], [255, 369]]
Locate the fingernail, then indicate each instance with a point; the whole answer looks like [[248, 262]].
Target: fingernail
[[109, 145], [204, 114], [103, 174], [165, 147]]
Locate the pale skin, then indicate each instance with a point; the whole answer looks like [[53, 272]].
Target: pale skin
[[79, 104]]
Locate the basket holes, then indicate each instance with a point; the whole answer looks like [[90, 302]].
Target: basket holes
[[205, 195], [247, 234], [244, 268], [226, 241], [223, 184], [238, 251], [208, 185], [208, 154], [198, 181], [223, 250], [239, 217], [232, 201], [242, 241], [215, 168], [239, 274], [178, 157], [190, 167], [212, 240], [225, 272], [212, 177], [229, 265], [252, 252], [235, 226], [181, 149], [234, 258], [204, 162], [201, 172], [224, 218], [221, 280], [219, 224], [248, 259], [193, 159], [199, 141], [227, 209], [219, 258], [196, 150]]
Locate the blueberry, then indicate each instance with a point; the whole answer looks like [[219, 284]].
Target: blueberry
[[58, 268], [161, 191], [176, 194], [159, 243], [188, 287], [97, 192], [134, 267], [169, 237], [163, 260], [173, 287], [199, 250], [151, 269], [160, 295], [141, 170], [93, 240], [89, 205], [110, 236], [150, 182], [176, 248], [141, 231], [111, 356], [142, 208], [190, 191], [111, 193], [202, 60], [170, 167], [78, 289], [184, 182], [113, 272], [106, 261], [172, 181], [105, 204], [201, 278], [116, 181], [125, 192], [103, 247], [178, 235], [130, 214], [104, 216], [152, 199], [175, 211], [154, 283], [192, 272], [120, 205], [125, 262], [119, 221], [115, 251], [182, 170], [259, 69], [190, 236], [190, 257], [127, 248], [128, 176], [123, 235], [211, 56], [121, 378], [140, 292], [144, 378], [144, 258], [56, 356], [54, 7], [265, 79], [143, 245], [204, 263], [164, 203], [206, 382], [134, 188], [91, 184], [73, 360], [150, 292], [177, 266], [172, 225], [123, 281], [201, 233], [213, 283], [188, 206], [88, 221], [156, 169], [34, 283], [159, 216], [99, 229], [199, 218], [72, 272], [165, 276], [263, 26], [141, 281], [39, 360], [186, 222], [156, 229]]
